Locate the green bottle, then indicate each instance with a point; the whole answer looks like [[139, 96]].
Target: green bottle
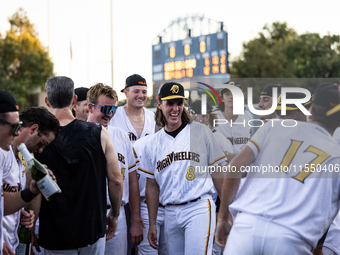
[[39, 173], [24, 234]]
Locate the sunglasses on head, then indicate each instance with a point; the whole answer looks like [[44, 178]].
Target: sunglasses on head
[[107, 109], [15, 127]]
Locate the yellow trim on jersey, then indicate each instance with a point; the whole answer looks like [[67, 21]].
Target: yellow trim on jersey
[[137, 161], [226, 164], [145, 171], [132, 166], [256, 144], [209, 226], [216, 160]]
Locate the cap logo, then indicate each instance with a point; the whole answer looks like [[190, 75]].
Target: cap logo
[[17, 106], [141, 82], [333, 105], [263, 92], [174, 89]]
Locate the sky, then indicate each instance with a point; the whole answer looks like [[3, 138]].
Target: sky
[[85, 26]]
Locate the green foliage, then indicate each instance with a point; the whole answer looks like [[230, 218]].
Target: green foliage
[[24, 62], [280, 52]]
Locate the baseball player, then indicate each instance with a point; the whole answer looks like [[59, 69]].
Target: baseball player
[[133, 117], [208, 120], [179, 178], [39, 128], [266, 100], [236, 129], [292, 111], [224, 143], [144, 247], [287, 214], [102, 101], [80, 109], [331, 245]]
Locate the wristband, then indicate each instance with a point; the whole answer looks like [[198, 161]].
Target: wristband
[[27, 195]]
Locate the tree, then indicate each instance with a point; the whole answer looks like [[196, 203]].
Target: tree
[[24, 62], [279, 52]]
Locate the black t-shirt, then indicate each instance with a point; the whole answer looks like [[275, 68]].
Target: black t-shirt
[[76, 217]]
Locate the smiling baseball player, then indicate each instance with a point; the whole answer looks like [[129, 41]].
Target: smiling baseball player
[[178, 157], [289, 213]]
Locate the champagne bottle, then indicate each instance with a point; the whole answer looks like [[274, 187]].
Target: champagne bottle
[[39, 173], [24, 234]]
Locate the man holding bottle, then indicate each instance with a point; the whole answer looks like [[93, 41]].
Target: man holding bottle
[[83, 159]]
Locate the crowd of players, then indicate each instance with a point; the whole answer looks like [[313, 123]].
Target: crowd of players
[[131, 180]]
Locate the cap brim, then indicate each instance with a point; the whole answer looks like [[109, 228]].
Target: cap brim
[[214, 113], [333, 110], [122, 90], [288, 108], [173, 97]]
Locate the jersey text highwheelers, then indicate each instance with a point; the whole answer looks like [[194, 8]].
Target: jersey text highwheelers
[[180, 164]]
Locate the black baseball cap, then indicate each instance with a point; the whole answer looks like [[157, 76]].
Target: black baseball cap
[[81, 93], [171, 90], [327, 96], [268, 91], [292, 95], [234, 83], [7, 102], [134, 80], [196, 108]]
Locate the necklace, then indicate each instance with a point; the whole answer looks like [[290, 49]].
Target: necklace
[[132, 118]]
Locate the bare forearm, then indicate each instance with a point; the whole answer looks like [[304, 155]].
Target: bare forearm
[[115, 193], [152, 199], [134, 196]]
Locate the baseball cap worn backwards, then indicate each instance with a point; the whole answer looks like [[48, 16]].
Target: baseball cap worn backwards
[[234, 83], [134, 80], [327, 96], [171, 90], [81, 93], [268, 91], [196, 108], [292, 95], [7, 102]]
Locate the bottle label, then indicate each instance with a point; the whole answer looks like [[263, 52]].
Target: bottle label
[[47, 186], [23, 249]]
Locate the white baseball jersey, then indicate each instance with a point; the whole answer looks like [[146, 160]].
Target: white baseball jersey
[[121, 120], [223, 142], [239, 132], [13, 172], [2, 161], [126, 159], [180, 164], [144, 247], [303, 201], [332, 240], [139, 149]]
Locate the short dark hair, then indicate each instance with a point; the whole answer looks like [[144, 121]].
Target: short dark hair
[[60, 91], [319, 115], [40, 115]]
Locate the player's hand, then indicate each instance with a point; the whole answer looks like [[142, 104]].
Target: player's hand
[[136, 230], [34, 243], [112, 223], [152, 236], [223, 228], [26, 218], [6, 250]]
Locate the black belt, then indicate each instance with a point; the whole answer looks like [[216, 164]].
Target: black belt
[[185, 203], [159, 205]]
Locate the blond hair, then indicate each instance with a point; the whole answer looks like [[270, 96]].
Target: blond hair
[[100, 89]]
